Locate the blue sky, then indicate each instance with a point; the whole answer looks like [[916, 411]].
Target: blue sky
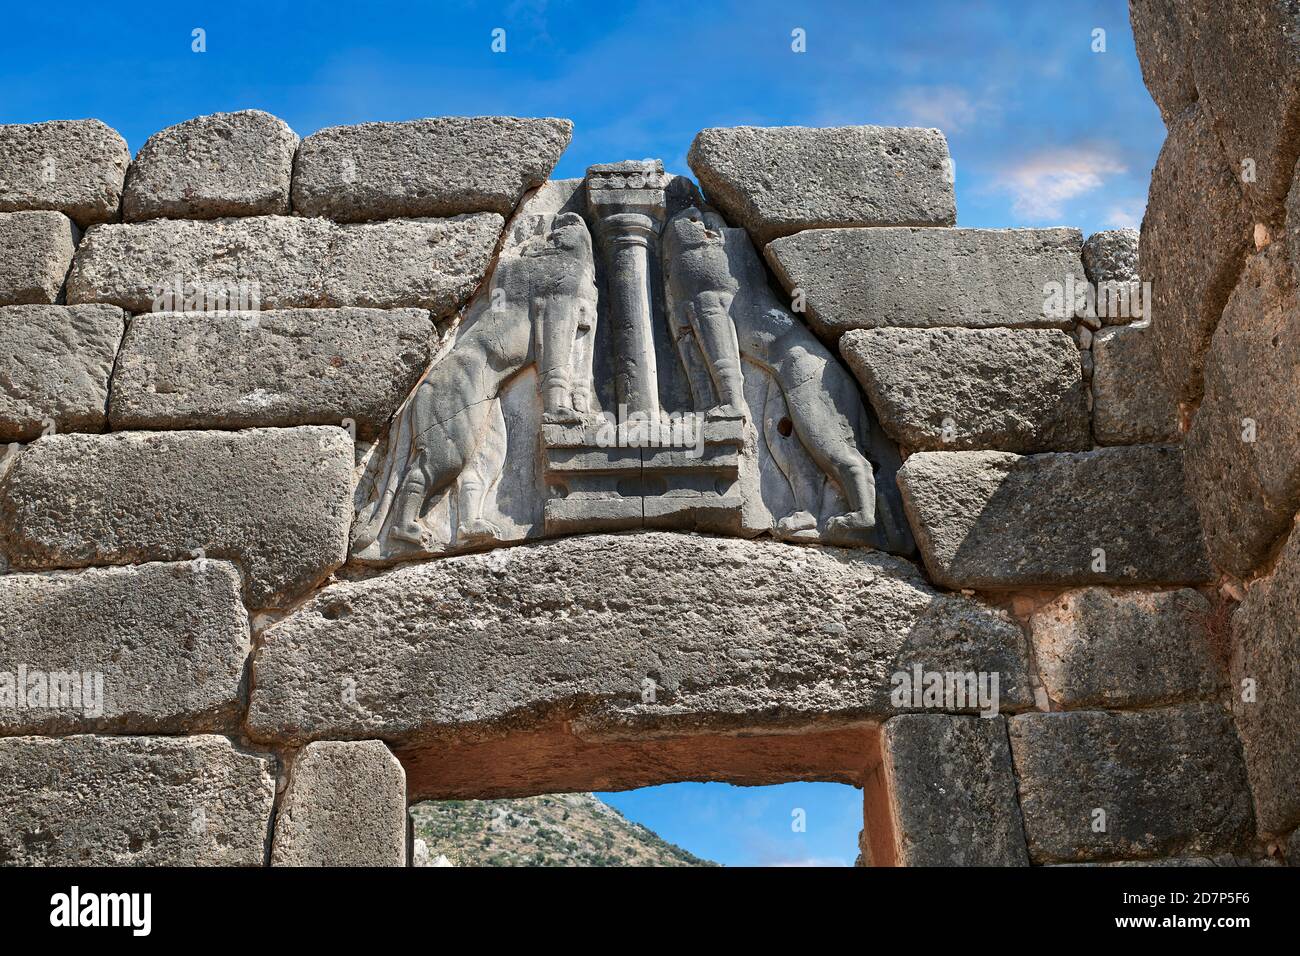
[[1044, 131]]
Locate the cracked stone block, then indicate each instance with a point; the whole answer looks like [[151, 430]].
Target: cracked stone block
[[56, 372], [275, 368], [952, 791], [276, 501], [225, 164], [133, 801], [1103, 647], [1016, 390], [442, 166], [1158, 33], [990, 519], [775, 181], [1097, 785], [150, 648], [75, 167], [1131, 402], [36, 250], [1243, 450], [926, 278], [345, 806], [590, 626]]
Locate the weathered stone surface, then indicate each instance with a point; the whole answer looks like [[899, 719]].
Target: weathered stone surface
[[1158, 28], [1195, 236], [36, 250], [987, 519], [55, 367], [133, 801], [953, 793], [225, 164], [427, 167], [1132, 404], [151, 648], [345, 806], [1170, 781], [958, 389], [1243, 451], [1266, 649], [1098, 647], [287, 262], [970, 278], [249, 369], [276, 501], [775, 181], [1293, 849], [607, 629], [73, 166], [1111, 256], [1293, 224]]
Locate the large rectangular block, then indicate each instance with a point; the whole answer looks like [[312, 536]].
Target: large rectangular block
[[249, 369], [1096, 785], [150, 648], [276, 501], [924, 278], [72, 166], [1132, 404], [133, 801], [987, 519], [56, 367], [285, 262], [36, 250], [778, 180]]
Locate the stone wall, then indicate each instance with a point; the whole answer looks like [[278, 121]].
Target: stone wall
[[305, 513]]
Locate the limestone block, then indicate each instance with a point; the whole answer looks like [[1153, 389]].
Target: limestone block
[[607, 629], [133, 801], [1098, 785], [56, 367], [775, 181], [36, 250], [150, 648], [276, 368], [225, 164], [1158, 32], [1111, 256], [924, 278], [276, 501], [1016, 390], [441, 166], [345, 806], [987, 519], [952, 791], [1099, 647], [1243, 451], [75, 167], [1132, 404]]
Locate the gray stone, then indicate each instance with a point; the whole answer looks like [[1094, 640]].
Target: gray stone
[[282, 262], [56, 367], [589, 627], [133, 801], [923, 278], [1111, 256], [1195, 236], [775, 181], [36, 250], [345, 806], [953, 793], [1105, 648], [73, 166], [225, 164], [1293, 849], [1158, 33], [427, 167], [1266, 649], [989, 519], [1243, 450], [277, 368], [1016, 390], [276, 501], [1170, 782], [1131, 402], [1293, 224], [151, 648]]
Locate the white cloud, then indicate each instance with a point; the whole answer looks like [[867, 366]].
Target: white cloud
[[949, 108], [1125, 214], [1043, 182]]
